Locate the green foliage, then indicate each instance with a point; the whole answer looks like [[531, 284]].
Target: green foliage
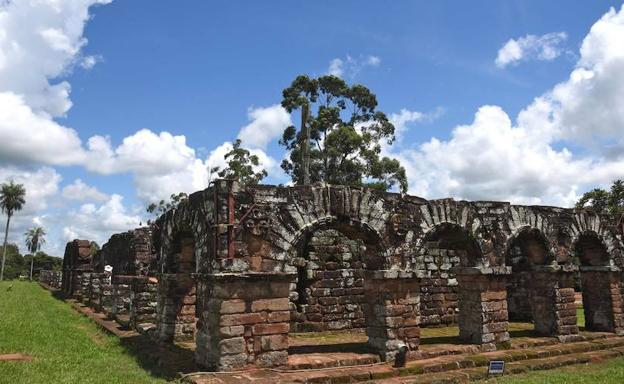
[[14, 264], [35, 238], [240, 166], [164, 206], [601, 201], [346, 133], [12, 197]]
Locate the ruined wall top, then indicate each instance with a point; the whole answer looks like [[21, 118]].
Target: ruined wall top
[[77, 255], [262, 228], [129, 253]]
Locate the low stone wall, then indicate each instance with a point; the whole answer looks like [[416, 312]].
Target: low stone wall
[[53, 279], [143, 303]]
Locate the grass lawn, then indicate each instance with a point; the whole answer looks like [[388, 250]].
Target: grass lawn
[[611, 371], [67, 347]]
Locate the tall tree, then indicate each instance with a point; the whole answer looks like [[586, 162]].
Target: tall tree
[[242, 166], [340, 141], [602, 201], [12, 199], [35, 238]]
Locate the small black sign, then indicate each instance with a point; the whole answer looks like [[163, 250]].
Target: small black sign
[[496, 367]]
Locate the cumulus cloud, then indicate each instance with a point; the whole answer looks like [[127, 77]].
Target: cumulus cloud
[[531, 47], [405, 117], [80, 191], [526, 161], [351, 66], [266, 125], [97, 223]]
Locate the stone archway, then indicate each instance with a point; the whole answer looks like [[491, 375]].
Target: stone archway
[[600, 284]]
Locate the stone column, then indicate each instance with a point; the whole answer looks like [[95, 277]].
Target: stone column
[[105, 300], [602, 299], [552, 299], [94, 289], [85, 287], [483, 316], [244, 320], [392, 312], [121, 297], [143, 303], [175, 313]]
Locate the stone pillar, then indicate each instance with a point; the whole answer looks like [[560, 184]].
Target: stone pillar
[[244, 320], [552, 298], [483, 316], [121, 297], [175, 313], [602, 299], [143, 303], [94, 289], [105, 300], [85, 287], [392, 311]]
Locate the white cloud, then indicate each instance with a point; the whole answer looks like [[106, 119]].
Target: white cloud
[[98, 223], [527, 162], [267, 124], [405, 117], [530, 47], [80, 191], [351, 66]]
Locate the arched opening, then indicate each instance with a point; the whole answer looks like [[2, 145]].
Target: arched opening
[[177, 312], [328, 301], [526, 251], [597, 282]]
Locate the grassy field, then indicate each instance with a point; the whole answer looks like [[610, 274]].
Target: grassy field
[[66, 347], [608, 372]]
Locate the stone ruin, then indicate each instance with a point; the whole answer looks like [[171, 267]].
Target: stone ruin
[[237, 269]]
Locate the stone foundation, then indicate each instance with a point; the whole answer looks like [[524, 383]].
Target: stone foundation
[[175, 313], [244, 320]]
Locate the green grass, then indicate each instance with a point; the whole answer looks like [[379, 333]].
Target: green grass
[[611, 371], [67, 347]]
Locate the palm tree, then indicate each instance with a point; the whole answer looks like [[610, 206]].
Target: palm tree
[[11, 200], [35, 237]]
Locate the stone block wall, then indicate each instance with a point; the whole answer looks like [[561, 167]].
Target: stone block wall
[[143, 303], [439, 289], [53, 279], [176, 312], [328, 292], [483, 315], [85, 284], [94, 289], [602, 299], [552, 299], [392, 313], [244, 320], [122, 286], [105, 301], [519, 296]]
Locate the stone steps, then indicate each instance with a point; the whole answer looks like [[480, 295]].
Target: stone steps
[[443, 369]]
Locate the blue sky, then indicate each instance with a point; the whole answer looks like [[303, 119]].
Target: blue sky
[[128, 101]]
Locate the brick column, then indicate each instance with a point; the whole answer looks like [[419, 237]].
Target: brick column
[[602, 299], [244, 320], [143, 303], [175, 312], [121, 296], [483, 316], [552, 298], [85, 287], [392, 312]]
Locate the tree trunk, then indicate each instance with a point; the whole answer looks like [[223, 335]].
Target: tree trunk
[[305, 110], [6, 235], [32, 260]]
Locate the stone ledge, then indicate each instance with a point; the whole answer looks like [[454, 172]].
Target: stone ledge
[[499, 270]]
